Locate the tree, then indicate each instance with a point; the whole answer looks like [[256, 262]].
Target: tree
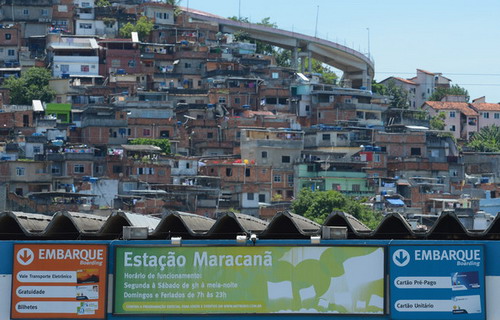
[[486, 140], [318, 205], [32, 85], [283, 58], [398, 95], [242, 36], [102, 3], [437, 122], [455, 90], [163, 144], [329, 77], [143, 27]]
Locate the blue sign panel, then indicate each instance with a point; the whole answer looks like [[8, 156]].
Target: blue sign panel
[[437, 282]]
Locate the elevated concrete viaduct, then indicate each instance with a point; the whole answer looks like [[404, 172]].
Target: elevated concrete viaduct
[[357, 68]]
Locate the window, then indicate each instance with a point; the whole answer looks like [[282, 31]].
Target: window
[[145, 171], [222, 99], [262, 198], [79, 168], [247, 172], [264, 154], [146, 132], [486, 115], [290, 179], [37, 149], [158, 15], [26, 12], [99, 169], [20, 171], [452, 128], [285, 159], [415, 151], [376, 158], [452, 114], [11, 52], [356, 187], [85, 26], [165, 134], [117, 169], [237, 100], [85, 4], [187, 65], [131, 63], [326, 137], [188, 165], [289, 194], [166, 16], [250, 196], [336, 187], [115, 63], [84, 68], [44, 12], [229, 172], [496, 115], [8, 36], [277, 178], [210, 135]]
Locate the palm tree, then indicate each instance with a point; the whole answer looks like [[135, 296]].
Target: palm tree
[[486, 140]]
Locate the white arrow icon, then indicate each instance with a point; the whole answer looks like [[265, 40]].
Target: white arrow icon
[[25, 256], [401, 257]]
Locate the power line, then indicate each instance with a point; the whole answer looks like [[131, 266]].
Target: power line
[[445, 73]]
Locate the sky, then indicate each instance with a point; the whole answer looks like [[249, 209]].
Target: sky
[[459, 38]]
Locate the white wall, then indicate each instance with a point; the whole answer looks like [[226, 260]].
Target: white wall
[[75, 65], [106, 189]]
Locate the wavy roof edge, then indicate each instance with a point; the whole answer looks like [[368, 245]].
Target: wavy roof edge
[[284, 225]]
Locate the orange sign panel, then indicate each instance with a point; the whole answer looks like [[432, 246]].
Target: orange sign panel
[[59, 281]]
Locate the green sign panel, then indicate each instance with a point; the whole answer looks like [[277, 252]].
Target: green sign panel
[[198, 280]]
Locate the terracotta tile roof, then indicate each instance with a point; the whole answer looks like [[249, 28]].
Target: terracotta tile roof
[[486, 106], [463, 107], [427, 72], [408, 81], [405, 81]]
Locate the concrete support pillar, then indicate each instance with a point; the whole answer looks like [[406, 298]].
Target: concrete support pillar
[[309, 58], [366, 80], [295, 59]]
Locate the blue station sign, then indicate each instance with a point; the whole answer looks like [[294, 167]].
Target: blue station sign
[[437, 282]]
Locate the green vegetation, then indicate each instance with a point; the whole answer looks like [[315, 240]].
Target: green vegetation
[[437, 122], [318, 205], [163, 144], [399, 96], [455, 90], [143, 27], [486, 140], [32, 85], [102, 3]]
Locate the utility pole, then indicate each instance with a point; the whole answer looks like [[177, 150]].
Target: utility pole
[[316, 28], [239, 10], [369, 55]]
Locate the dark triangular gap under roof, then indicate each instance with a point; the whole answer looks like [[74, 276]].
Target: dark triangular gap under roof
[[393, 226], [447, 227]]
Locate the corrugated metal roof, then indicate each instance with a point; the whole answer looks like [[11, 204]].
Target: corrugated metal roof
[[284, 225]]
